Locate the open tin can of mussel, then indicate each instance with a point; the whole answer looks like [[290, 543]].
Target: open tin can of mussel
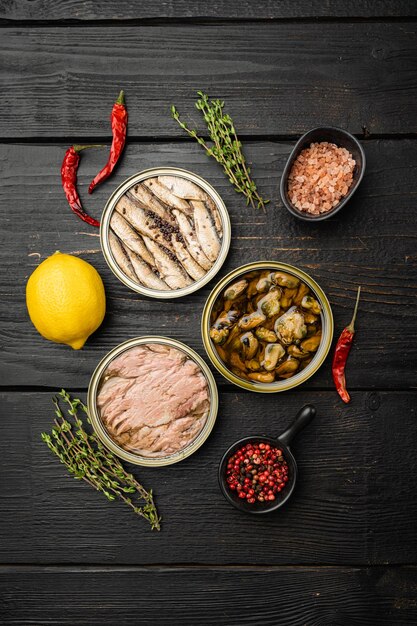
[[165, 232], [267, 326], [152, 401]]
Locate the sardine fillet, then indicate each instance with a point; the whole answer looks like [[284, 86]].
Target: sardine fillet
[[188, 190], [205, 230], [193, 246], [130, 237], [172, 273], [145, 273], [121, 256], [143, 223], [146, 200], [190, 265], [182, 188], [164, 194], [211, 205]]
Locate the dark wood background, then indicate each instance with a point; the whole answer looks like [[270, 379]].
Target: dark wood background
[[344, 549]]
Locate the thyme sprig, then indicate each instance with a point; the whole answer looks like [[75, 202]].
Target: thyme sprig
[[87, 459], [226, 148]]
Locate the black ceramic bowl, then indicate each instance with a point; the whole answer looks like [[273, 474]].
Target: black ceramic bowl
[[333, 135], [304, 417]]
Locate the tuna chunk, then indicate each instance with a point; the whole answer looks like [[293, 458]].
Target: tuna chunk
[[154, 400]]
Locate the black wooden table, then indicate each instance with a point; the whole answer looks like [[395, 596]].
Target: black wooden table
[[344, 550]]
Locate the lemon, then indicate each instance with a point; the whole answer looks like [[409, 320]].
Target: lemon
[[65, 299]]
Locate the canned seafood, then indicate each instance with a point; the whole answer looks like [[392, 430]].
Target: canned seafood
[[99, 377], [175, 242], [252, 379]]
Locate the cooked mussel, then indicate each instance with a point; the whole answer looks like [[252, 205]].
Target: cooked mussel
[[219, 335], [287, 368], [310, 318], [236, 361], [233, 340], [247, 322], [310, 304], [287, 297], [253, 365], [226, 319], [311, 344], [264, 334], [270, 304], [265, 282], [297, 352], [237, 372], [290, 327], [306, 362], [252, 290], [249, 345], [262, 377], [235, 290], [302, 291], [273, 353], [286, 280]]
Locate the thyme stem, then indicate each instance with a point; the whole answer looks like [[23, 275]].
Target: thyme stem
[[226, 148], [87, 459]]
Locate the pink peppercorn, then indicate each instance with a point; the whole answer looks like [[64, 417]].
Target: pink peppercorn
[[257, 485]]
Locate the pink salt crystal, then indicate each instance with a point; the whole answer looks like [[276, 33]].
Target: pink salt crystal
[[320, 176]]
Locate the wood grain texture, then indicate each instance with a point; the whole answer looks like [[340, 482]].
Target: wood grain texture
[[282, 68], [48, 10], [371, 242], [355, 502], [282, 596], [276, 78]]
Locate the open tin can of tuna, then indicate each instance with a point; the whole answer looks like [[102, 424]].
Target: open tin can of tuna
[[165, 232], [152, 401]]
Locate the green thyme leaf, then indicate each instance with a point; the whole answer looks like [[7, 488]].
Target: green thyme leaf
[[226, 148]]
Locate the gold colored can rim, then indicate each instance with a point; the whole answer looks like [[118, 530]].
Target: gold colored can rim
[[297, 379], [101, 430], [122, 189]]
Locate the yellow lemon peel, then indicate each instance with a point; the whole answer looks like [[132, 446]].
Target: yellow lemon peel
[[65, 299]]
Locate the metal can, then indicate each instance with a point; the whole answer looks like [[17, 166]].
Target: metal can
[[326, 320], [100, 429], [138, 178]]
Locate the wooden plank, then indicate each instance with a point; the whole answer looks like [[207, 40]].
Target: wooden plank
[[354, 503], [48, 10], [276, 78], [271, 596], [371, 242]]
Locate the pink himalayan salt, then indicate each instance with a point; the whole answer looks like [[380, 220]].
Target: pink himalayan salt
[[320, 177]]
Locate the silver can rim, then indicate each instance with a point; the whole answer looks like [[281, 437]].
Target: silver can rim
[[105, 223], [100, 429]]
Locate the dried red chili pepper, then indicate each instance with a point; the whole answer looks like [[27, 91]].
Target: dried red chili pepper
[[341, 354], [118, 120], [69, 170]]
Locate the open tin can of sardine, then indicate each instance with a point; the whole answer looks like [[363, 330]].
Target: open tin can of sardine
[[267, 326], [165, 232], [152, 401]]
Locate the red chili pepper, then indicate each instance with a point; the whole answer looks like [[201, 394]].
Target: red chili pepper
[[341, 354], [69, 170], [118, 120]]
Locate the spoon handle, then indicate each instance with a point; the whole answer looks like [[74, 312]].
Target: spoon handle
[[303, 418]]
